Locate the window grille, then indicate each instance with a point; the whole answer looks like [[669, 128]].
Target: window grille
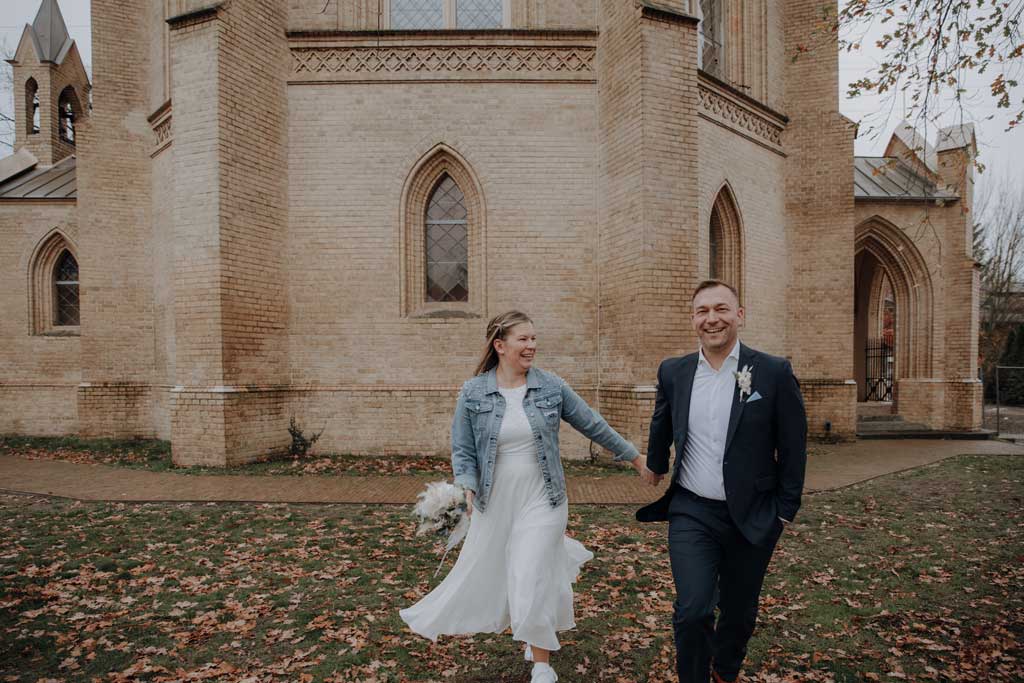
[[472, 14], [66, 310], [447, 243], [426, 15], [417, 14]]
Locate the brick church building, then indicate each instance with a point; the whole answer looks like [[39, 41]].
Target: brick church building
[[260, 209]]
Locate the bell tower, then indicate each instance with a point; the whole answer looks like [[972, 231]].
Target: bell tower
[[51, 88]]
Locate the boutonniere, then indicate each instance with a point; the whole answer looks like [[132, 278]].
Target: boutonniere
[[743, 380]]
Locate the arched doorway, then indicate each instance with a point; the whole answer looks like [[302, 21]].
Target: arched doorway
[[893, 314]]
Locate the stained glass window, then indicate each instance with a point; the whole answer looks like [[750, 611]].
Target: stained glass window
[[417, 14], [66, 310], [479, 14], [447, 243]]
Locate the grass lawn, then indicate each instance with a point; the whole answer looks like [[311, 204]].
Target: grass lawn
[[917, 576], [155, 456]]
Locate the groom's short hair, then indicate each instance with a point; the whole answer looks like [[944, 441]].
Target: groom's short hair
[[708, 284]]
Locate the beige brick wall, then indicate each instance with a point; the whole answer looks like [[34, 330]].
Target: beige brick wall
[[755, 177], [39, 374], [819, 219], [114, 214], [230, 217], [164, 351], [345, 320]]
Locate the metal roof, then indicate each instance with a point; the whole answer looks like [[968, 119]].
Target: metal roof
[[43, 182], [51, 33], [891, 178]]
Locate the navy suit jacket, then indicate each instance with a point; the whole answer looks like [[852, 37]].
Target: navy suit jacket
[[765, 446]]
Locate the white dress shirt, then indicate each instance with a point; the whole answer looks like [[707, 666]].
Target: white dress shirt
[[710, 406]]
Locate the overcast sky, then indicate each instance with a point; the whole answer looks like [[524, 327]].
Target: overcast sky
[[1001, 152]]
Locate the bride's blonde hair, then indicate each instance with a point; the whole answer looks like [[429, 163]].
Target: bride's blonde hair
[[498, 328]]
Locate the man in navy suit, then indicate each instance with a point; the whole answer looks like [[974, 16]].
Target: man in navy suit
[[736, 418]]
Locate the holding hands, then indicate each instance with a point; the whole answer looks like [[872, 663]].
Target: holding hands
[[640, 465]]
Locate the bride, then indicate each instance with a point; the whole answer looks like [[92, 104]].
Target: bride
[[517, 566]]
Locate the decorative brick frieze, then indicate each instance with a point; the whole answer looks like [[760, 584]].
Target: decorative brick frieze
[[160, 120], [439, 59], [719, 104]]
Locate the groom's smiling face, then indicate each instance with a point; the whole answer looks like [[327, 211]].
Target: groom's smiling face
[[717, 318]]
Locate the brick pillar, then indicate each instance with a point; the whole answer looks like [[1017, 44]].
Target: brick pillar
[[115, 265], [228, 65], [647, 109], [961, 285], [818, 142]]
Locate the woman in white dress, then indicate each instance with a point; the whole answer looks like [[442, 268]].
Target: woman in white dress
[[517, 566]]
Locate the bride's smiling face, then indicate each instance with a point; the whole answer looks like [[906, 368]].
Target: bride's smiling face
[[517, 349]]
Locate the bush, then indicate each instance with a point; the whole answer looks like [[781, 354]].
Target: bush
[[300, 442]]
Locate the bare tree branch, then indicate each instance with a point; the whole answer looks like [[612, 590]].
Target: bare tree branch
[[932, 51], [6, 96], [999, 249]]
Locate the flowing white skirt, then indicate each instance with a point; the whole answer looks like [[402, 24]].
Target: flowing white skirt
[[516, 567]]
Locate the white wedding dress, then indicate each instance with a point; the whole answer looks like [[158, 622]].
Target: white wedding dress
[[517, 566]]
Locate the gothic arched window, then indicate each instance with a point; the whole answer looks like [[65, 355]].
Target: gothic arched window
[[442, 238], [725, 241], [447, 243], [54, 294], [65, 291]]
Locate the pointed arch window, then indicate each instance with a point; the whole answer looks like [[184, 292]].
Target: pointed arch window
[[447, 243], [54, 303], [32, 106], [442, 238], [65, 290], [725, 241], [68, 113]]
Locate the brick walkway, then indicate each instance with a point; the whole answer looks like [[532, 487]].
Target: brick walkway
[[842, 466]]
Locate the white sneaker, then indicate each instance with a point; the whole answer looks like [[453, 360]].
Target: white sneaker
[[542, 673]]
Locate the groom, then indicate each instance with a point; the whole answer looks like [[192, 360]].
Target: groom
[[737, 420]]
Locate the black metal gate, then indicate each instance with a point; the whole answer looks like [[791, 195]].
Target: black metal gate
[[879, 370]]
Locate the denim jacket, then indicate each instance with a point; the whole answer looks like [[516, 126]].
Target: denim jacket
[[548, 401]]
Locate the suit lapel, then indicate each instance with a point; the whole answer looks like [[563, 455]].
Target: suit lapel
[[745, 359]]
